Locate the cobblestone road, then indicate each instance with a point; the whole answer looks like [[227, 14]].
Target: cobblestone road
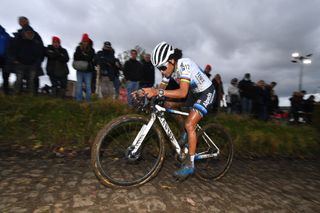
[[50, 184]]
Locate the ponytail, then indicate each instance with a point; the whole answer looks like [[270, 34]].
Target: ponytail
[[176, 55]]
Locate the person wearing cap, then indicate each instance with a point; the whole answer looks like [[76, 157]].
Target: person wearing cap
[[106, 63], [57, 68], [27, 57], [85, 53]]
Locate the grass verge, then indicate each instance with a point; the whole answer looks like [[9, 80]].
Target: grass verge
[[44, 122]]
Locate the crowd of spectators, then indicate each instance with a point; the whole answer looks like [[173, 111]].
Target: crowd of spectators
[[99, 73], [260, 100]]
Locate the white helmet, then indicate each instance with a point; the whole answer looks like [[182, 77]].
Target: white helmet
[[161, 53]]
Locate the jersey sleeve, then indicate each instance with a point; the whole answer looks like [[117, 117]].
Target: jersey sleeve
[[185, 72]]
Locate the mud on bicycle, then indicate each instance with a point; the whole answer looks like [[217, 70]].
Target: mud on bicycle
[[130, 150]]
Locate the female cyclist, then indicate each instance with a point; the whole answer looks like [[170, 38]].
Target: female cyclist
[[194, 85]]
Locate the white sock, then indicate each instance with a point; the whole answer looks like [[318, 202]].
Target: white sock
[[192, 160]]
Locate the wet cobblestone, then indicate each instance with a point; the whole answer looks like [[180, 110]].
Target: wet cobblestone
[[51, 184]]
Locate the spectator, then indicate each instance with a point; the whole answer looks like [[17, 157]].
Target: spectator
[[10, 66], [132, 73], [28, 55], [308, 108], [4, 43], [262, 97], [148, 74], [24, 23], [274, 103], [246, 88], [270, 89], [218, 85], [84, 53], [207, 70], [296, 107], [57, 68], [234, 96], [94, 72], [106, 61]]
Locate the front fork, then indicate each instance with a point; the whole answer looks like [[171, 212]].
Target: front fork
[[132, 150]]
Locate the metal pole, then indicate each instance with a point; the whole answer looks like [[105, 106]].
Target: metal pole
[[300, 75]]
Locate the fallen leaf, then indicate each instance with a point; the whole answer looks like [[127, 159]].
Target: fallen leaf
[[191, 202], [167, 187]]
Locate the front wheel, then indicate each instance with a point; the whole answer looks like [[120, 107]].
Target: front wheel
[[216, 147], [110, 153]]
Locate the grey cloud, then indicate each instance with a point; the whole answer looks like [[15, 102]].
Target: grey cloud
[[234, 36]]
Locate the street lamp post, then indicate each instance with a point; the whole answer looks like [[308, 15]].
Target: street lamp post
[[297, 58]]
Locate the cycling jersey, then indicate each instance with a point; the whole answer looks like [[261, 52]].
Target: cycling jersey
[[202, 91], [188, 71]]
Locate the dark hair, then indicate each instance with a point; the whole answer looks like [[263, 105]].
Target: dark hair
[[234, 81], [247, 75], [23, 18], [273, 83], [176, 55]]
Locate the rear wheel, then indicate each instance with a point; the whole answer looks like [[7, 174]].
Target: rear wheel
[[111, 157], [213, 168]]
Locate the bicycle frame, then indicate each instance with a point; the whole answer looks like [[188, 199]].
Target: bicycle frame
[[158, 113]]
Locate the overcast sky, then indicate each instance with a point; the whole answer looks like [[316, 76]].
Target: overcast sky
[[235, 37]]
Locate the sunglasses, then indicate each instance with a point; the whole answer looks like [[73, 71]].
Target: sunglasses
[[163, 67]]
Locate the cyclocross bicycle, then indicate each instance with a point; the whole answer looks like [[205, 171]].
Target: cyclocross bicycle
[[130, 150]]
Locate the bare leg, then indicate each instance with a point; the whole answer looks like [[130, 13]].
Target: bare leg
[[190, 125]]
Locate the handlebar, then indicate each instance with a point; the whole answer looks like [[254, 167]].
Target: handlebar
[[143, 103]]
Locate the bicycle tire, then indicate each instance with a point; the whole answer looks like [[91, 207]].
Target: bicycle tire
[[215, 167], [108, 153]]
